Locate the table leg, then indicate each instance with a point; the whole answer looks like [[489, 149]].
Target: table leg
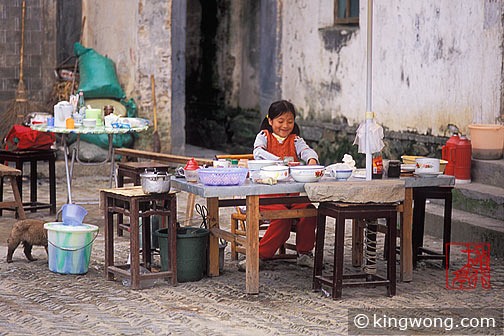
[[189, 209], [52, 185], [65, 149], [252, 273], [146, 237], [109, 238], [213, 221], [447, 228], [20, 211], [172, 245], [134, 245], [113, 177], [19, 179], [33, 185], [406, 268], [1, 192]]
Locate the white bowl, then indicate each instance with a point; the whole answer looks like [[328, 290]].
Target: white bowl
[[89, 122], [426, 166], [342, 175], [307, 174], [258, 164], [279, 173]]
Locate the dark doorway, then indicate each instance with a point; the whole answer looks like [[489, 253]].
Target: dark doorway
[[203, 98], [68, 27]]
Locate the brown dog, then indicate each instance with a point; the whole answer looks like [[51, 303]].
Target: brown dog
[[30, 232]]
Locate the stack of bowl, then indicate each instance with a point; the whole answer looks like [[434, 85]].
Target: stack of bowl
[[255, 166]]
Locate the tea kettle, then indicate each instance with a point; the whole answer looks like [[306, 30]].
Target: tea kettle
[[62, 111]]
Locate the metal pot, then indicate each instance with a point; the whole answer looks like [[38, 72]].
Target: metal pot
[[154, 182]]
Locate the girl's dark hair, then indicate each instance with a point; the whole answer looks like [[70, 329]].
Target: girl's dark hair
[[277, 109]]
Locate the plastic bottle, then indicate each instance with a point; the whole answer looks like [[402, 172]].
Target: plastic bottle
[[81, 105], [463, 152], [377, 166], [81, 109]]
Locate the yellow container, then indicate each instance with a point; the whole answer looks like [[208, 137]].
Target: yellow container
[[487, 141], [95, 114], [410, 159]]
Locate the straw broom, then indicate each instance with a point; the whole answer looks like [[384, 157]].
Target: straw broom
[[20, 106]]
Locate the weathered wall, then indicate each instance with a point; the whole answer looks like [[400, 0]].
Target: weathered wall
[[39, 49], [138, 36], [434, 63]]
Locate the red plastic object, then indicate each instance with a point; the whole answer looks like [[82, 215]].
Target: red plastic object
[[24, 138], [449, 154], [463, 160], [191, 165]]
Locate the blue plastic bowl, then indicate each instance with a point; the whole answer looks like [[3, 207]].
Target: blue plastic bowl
[[73, 214]]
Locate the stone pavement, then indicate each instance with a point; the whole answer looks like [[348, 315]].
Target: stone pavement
[[34, 300]]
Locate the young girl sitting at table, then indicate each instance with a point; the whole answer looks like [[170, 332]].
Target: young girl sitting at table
[[279, 140]]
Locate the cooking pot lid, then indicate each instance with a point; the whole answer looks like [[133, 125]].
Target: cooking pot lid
[[154, 173]]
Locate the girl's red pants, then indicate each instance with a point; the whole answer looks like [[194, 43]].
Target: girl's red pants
[[279, 230]]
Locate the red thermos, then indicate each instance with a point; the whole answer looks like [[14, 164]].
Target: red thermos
[[449, 154], [463, 160]]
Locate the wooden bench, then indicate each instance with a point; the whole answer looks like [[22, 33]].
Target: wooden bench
[[168, 158], [12, 173]]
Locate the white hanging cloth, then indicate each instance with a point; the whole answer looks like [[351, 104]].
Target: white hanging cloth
[[375, 134]]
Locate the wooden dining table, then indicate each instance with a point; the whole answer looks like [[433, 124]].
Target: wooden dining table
[[249, 194]]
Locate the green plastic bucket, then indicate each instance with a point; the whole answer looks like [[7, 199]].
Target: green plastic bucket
[[69, 247], [192, 245]]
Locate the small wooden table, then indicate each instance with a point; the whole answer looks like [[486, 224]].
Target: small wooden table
[[132, 202]]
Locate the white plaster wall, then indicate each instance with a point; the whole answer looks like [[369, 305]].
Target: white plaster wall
[[435, 63], [111, 29]]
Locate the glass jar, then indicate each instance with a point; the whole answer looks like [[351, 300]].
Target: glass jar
[[394, 169]]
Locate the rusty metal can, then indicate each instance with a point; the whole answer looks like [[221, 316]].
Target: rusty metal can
[[109, 109], [394, 168]]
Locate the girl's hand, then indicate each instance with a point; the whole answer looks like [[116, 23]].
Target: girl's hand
[[312, 162]]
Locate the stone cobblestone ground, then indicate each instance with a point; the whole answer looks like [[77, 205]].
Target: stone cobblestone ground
[[35, 301]]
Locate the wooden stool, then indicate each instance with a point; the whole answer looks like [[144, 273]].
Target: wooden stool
[[132, 202], [340, 212], [133, 170], [12, 173], [20, 157], [420, 195]]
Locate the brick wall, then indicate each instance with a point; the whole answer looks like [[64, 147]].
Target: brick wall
[[39, 39]]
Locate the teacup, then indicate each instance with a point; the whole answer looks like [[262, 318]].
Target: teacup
[[190, 175]]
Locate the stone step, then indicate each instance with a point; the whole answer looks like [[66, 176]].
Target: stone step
[[466, 228], [481, 199], [489, 172]]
